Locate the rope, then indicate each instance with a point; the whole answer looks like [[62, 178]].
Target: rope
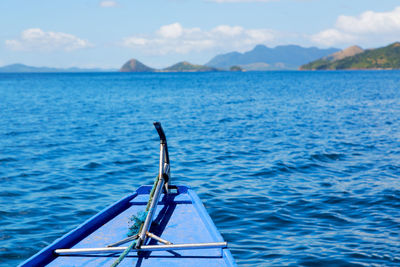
[[123, 255], [135, 228]]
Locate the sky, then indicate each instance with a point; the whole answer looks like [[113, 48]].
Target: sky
[[159, 33]]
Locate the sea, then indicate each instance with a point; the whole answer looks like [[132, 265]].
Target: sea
[[295, 168]]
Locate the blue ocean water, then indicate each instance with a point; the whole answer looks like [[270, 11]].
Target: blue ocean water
[[295, 168]]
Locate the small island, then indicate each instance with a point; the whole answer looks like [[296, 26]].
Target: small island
[[236, 68], [135, 65], [185, 66]]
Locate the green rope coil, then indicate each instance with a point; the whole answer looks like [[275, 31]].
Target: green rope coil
[[136, 222]]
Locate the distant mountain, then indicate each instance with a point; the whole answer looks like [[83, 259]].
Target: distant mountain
[[24, 68], [348, 52], [135, 65], [280, 57], [387, 57], [185, 66], [325, 61], [259, 66]]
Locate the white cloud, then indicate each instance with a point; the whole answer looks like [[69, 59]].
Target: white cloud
[[371, 22], [171, 31], [333, 37], [370, 28], [108, 4], [174, 38], [228, 30], [36, 39]]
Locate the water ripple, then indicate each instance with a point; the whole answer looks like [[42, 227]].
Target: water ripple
[[295, 168]]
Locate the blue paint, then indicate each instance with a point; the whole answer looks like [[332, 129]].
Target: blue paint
[[177, 222]]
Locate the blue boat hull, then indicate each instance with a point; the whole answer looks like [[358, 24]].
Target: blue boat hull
[[180, 218]]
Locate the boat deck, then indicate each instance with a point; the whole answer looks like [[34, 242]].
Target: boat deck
[[180, 218]]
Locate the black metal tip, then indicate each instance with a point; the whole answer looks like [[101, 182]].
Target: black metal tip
[[160, 132]]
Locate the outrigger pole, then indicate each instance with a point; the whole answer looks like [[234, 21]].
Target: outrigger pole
[[71, 251], [163, 178]]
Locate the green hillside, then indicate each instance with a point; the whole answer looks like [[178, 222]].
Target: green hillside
[[381, 58], [188, 67]]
